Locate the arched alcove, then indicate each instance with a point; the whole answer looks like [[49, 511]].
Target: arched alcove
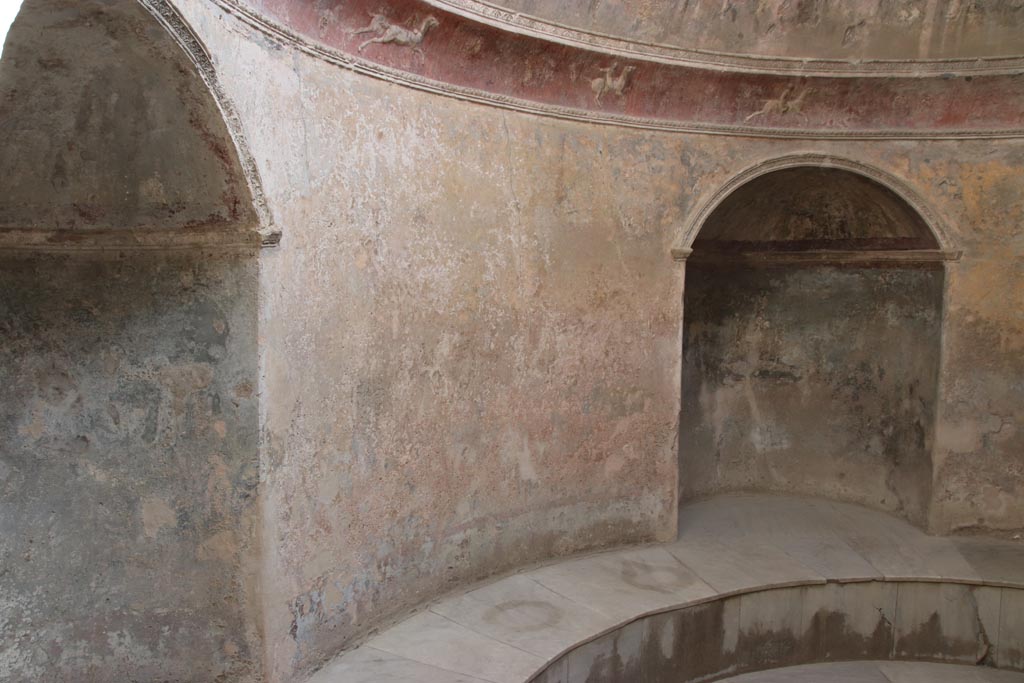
[[113, 136], [804, 208], [128, 232], [812, 320]]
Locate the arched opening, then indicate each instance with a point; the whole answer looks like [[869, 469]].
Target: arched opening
[[812, 319]]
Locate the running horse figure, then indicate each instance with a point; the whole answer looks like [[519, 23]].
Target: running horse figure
[[394, 33]]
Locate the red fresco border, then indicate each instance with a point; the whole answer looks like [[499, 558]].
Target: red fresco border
[[469, 54]]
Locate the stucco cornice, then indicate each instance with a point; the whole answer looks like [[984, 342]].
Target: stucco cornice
[[212, 238], [467, 58]]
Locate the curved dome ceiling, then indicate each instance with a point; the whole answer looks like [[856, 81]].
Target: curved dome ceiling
[[844, 30]]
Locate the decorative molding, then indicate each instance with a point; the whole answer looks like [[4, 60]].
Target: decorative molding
[[602, 111], [887, 180], [681, 254], [180, 30], [74, 241], [818, 257], [526, 24]]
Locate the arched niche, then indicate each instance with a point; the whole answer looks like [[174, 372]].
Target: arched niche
[[113, 136], [811, 344], [805, 208], [133, 350]]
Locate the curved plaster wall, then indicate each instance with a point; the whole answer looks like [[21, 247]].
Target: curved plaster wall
[[128, 467], [820, 379], [471, 336], [813, 207], [469, 349]]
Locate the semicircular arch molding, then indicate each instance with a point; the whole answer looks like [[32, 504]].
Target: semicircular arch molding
[[939, 230]]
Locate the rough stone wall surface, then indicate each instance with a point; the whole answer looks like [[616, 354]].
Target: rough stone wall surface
[[128, 468], [823, 29], [109, 127], [470, 334], [817, 380]]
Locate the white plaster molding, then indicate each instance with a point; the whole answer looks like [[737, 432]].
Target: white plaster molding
[[38, 240], [693, 225], [820, 257]]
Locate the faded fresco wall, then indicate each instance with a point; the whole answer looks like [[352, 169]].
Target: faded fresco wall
[[128, 468], [976, 190], [471, 356], [471, 333], [467, 352], [812, 380], [470, 343]]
